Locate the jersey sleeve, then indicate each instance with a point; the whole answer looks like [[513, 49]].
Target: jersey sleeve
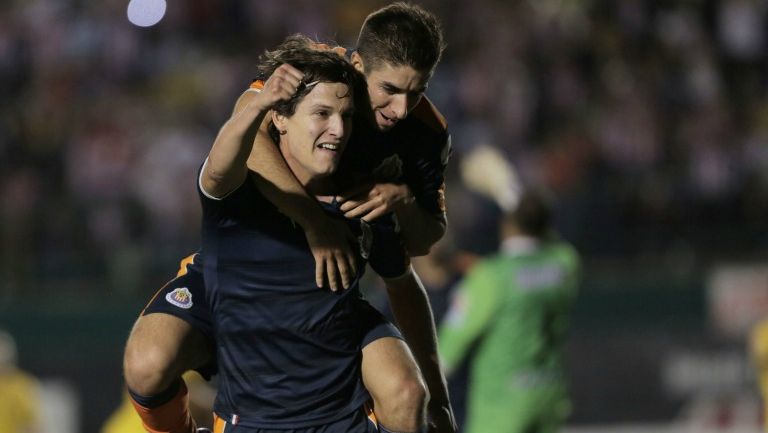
[[473, 306], [425, 149], [387, 255], [240, 202]]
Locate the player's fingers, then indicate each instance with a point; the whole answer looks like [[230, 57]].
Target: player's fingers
[[330, 268], [290, 72], [319, 46], [282, 77], [352, 260], [361, 210], [319, 271], [375, 213], [345, 270], [351, 204]]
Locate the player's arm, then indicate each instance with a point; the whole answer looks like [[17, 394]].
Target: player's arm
[[413, 314], [474, 304], [225, 168], [419, 227]]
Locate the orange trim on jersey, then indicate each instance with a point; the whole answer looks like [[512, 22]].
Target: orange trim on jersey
[[182, 271], [368, 408], [257, 85], [184, 263], [218, 424], [429, 114]]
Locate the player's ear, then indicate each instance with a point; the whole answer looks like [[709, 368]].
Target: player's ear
[[357, 62], [279, 121]]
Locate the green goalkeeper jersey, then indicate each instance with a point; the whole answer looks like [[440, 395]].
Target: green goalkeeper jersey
[[513, 309]]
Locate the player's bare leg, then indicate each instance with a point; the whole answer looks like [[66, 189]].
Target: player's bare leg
[[160, 349], [394, 381]]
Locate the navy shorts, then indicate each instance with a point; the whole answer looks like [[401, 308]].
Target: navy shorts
[[184, 297], [359, 421]]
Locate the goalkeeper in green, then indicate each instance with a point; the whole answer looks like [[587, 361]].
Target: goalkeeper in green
[[513, 309]]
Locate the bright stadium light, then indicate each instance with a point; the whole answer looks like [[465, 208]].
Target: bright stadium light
[[146, 13]]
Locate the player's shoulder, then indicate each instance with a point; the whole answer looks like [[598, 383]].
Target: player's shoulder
[[489, 266], [567, 250], [428, 114]]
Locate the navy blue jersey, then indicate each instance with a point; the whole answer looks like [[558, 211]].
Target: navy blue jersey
[[184, 297], [288, 352]]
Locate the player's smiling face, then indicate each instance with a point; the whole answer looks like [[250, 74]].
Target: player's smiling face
[[316, 134], [393, 91]]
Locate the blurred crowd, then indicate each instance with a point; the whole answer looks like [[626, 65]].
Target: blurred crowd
[[647, 120]]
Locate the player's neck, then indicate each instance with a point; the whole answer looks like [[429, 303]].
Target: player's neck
[[321, 187]]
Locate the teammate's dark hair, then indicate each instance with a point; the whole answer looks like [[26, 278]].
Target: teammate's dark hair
[[533, 214], [317, 65], [401, 34]]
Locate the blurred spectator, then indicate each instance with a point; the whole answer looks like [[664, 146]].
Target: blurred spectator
[[642, 116]]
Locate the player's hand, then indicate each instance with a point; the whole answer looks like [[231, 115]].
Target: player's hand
[[441, 420], [281, 85], [372, 201], [331, 244], [319, 46]]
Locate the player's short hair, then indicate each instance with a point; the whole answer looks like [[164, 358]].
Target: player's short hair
[[317, 66], [401, 34], [533, 214]]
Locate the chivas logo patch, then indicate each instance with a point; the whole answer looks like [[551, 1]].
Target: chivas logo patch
[[180, 297]]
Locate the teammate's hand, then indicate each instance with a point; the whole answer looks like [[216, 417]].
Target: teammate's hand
[[372, 201], [281, 85], [441, 420], [319, 46], [331, 244]]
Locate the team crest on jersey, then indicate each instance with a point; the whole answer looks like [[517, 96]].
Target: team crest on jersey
[[180, 297]]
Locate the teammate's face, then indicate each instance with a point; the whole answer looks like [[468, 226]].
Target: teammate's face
[[316, 134], [393, 91]]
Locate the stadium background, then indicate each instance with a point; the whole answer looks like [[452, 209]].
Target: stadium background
[[647, 119]]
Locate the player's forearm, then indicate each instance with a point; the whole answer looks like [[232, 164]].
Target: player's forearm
[[419, 228], [413, 314], [226, 166], [276, 181]]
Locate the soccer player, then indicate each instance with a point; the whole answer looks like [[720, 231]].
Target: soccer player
[[289, 351], [398, 49], [515, 306]]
